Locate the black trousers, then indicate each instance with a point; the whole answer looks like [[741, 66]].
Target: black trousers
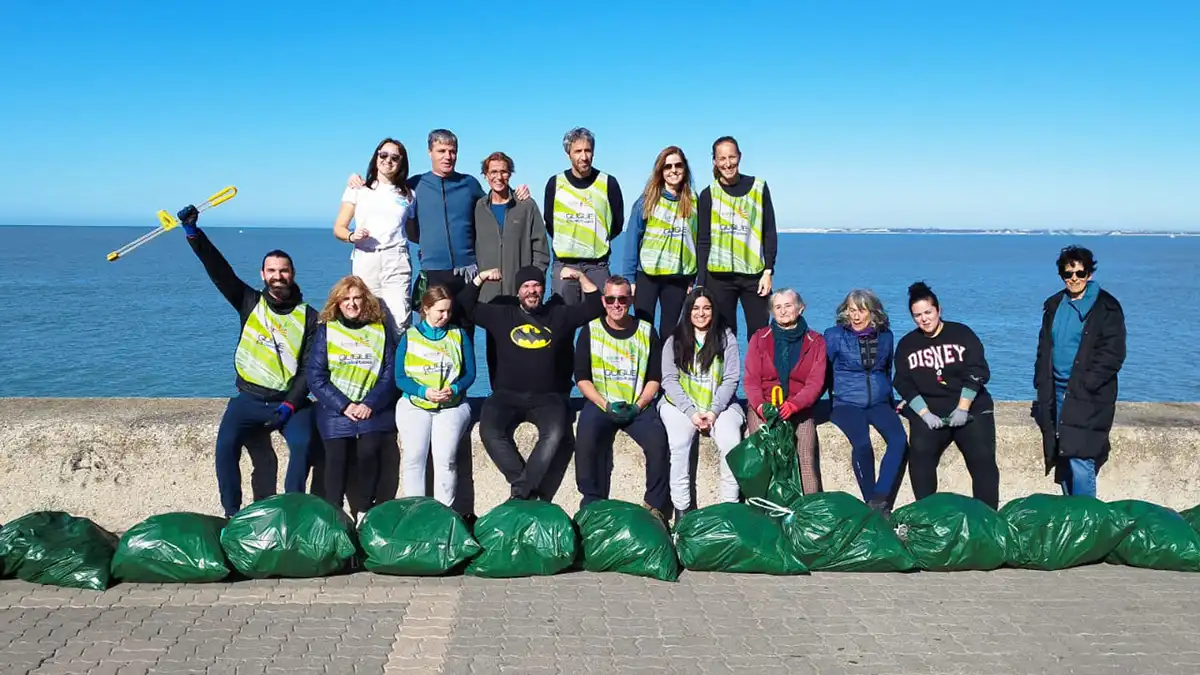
[[667, 291], [455, 284], [976, 440], [594, 455], [729, 289], [502, 412], [366, 451]]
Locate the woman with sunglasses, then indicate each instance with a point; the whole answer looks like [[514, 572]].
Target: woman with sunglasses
[[701, 368], [941, 373], [660, 252], [349, 373], [381, 210]]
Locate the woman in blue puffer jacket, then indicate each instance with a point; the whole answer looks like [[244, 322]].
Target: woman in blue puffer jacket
[[859, 350], [350, 374]]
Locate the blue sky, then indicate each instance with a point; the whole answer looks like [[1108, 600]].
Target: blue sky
[[869, 114]]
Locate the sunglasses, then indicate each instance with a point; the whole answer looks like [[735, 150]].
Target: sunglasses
[[676, 165], [389, 155], [616, 299], [1078, 274]]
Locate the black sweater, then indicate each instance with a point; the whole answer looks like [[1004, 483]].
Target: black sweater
[[533, 349], [770, 238], [941, 368], [244, 299], [615, 201]]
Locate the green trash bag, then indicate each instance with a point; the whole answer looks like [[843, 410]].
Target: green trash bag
[[289, 535], [732, 537], [1192, 516], [621, 537], [1054, 532], [947, 532], [58, 549], [524, 538], [765, 463], [415, 536], [836, 532], [172, 547], [1160, 539]]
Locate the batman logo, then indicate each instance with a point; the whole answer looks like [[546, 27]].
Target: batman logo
[[529, 336]]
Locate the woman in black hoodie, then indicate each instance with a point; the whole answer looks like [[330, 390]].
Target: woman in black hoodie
[[941, 373]]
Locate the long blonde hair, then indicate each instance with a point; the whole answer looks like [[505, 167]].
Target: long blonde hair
[[372, 311], [656, 185]]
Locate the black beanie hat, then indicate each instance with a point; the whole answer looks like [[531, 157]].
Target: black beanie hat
[[530, 273]]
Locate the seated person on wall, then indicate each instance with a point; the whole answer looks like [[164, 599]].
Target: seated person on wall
[[277, 329], [860, 349], [529, 337], [1081, 348], [350, 376], [618, 368], [788, 355], [701, 365], [435, 366]]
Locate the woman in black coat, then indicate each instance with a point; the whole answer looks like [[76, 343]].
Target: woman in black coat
[[1081, 348]]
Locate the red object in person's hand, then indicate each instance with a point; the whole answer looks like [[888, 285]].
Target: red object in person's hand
[[788, 409]]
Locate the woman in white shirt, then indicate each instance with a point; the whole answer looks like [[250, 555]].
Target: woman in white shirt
[[381, 209]]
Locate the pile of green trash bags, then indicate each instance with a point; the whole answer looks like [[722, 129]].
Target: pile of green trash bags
[[765, 463], [58, 549]]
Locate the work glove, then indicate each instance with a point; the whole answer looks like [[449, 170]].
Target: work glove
[[788, 409], [281, 415], [957, 418], [188, 216], [622, 412], [932, 421]]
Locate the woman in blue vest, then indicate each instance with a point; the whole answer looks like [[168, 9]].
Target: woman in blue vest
[[859, 350], [660, 252], [348, 373], [435, 365], [701, 367]]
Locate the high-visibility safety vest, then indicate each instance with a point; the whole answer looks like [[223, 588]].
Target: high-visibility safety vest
[[355, 357], [737, 224], [619, 366], [669, 242], [268, 351], [699, 386], [582, 218], [434, 364]]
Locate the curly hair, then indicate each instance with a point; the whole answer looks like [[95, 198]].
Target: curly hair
[[372, 311], [866, 299]]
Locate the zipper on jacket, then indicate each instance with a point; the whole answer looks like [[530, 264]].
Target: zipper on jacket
[[446, 220]]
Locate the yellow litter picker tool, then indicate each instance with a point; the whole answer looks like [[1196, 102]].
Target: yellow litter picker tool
[[170, 222]]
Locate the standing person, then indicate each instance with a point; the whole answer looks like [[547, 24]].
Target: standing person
[[701, 368], [859, 350], [1081, 348], [660, 249], [942, 373], [618, 369], [736, 239], [435, 366], [584, 213], [381, 210], [509, 235], [788, 355], [444, 228], [350, 376], [532, 380], [277, 329]]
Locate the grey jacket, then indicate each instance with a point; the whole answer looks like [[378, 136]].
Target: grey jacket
[[522, 243], [725, 390]]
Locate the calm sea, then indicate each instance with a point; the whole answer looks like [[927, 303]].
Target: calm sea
[[153, 325]]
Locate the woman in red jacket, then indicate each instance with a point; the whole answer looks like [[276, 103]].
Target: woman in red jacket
[[788, 346]]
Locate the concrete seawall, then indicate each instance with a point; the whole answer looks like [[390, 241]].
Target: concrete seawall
[[119, 461]]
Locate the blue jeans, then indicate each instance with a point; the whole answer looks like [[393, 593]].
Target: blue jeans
[[244, 416], [854, 421], [1079, 476]]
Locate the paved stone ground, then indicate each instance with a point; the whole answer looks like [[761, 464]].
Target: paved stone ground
[[1098, 619]]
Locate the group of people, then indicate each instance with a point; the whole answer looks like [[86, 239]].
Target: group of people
[[389, 354]]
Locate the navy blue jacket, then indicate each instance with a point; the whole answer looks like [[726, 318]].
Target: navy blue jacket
[[851, 385], [331, 402], [445, 231]]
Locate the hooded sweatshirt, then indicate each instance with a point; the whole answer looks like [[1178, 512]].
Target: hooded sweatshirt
[[446, 219]]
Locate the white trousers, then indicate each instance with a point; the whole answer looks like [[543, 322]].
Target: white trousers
[[425, 432], [387, 273], [726, 433]]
